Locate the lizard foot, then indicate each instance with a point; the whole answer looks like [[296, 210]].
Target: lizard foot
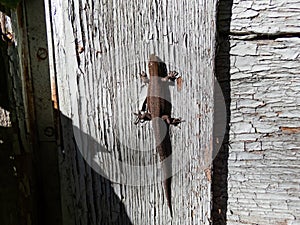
[[172, 75], [172, 121], [176, 121], [144, 77]]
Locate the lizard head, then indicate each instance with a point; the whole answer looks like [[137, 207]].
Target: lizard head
[[156, 66]]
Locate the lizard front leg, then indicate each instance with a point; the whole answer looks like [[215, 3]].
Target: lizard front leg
[[172, 75], [144, 77]]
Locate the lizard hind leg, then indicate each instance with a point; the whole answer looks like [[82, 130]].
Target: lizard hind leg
[[171, 121], [142, 117]]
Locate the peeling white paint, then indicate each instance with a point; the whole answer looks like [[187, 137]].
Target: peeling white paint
[[99, 89], [265, 86]]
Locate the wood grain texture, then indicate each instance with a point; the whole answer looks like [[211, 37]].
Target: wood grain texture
[[99, 48], [265, 17], [263, 177], [264, 158], [29, 147]]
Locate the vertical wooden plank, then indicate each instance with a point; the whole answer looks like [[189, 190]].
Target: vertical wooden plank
[[99, 49], [264, 158], [18, 185], [41, 128]]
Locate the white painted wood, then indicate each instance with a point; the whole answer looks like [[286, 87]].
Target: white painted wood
[[263, 182], [99, 48], [263, 177], [265, 17]]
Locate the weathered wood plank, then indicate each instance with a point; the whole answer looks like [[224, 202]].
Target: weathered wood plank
[[17, 177], [260, 75], [264, 170], [35, 156], [99, 49], [265, 17]]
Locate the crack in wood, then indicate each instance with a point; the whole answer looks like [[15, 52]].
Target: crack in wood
[[252, 36]]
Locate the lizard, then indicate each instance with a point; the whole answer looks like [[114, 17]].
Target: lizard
[[157, 107]]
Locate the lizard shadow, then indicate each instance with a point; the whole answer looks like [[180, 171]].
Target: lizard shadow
[[99, 198], [87, 197]]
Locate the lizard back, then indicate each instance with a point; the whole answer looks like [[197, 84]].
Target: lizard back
[[158, 97]]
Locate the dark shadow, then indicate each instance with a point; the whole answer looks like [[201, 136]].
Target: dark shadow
[[8, 181], [87, 194], [93, 196], [3, 73], [220, 163], [102, 203]]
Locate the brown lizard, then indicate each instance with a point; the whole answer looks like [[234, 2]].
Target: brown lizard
[[157, 107]]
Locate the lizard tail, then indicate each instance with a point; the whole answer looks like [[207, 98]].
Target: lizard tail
[[167, 187]]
